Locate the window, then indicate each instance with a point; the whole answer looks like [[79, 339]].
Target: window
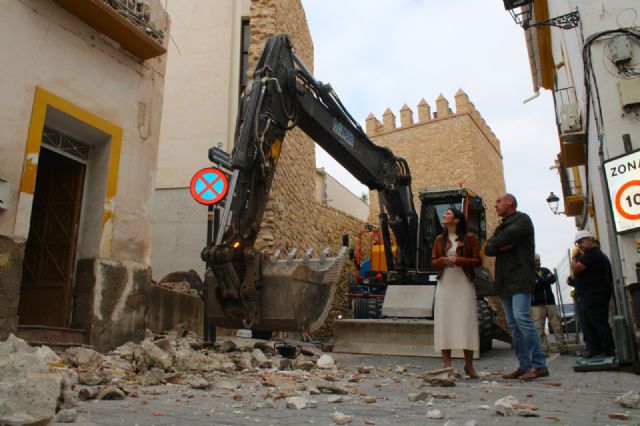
[[244, 55]]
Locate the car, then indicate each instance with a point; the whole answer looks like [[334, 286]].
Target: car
[[567, 318]]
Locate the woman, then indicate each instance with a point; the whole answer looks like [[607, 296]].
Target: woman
[[455, 254]]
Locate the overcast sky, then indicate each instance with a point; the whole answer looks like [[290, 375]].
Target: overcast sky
[[383, 53]]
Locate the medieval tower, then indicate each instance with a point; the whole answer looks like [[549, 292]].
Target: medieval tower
[[444, 148]]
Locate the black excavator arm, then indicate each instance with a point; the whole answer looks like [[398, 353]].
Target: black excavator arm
[[282, 95]]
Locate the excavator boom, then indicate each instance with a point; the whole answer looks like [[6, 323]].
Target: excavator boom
[[248, 289]]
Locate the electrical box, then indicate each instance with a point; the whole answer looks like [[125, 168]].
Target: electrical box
[[619, 49], [570, 119], [629, 92], [5, 193]]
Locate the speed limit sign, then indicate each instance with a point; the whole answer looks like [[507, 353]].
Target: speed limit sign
[[623, 180]]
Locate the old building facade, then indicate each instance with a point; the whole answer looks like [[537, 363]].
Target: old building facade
[[81, 92], [590, 65]]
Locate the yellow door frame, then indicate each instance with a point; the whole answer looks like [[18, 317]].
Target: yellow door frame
[[43, 99]]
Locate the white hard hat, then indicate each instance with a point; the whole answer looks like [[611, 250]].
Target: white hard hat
[[583, 234]]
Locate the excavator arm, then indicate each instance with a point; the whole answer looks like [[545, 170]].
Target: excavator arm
[[244, 287]]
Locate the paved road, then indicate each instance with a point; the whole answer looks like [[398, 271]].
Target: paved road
[[565, 397]]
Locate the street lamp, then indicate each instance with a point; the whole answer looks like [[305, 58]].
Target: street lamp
[[553, 201], [521, 12]]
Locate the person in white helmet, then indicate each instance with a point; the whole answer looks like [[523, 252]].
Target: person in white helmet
[[594, 283]]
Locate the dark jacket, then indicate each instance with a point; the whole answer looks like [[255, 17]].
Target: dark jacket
[[467, 255], [514, 248], [596, 279], [543, 293]]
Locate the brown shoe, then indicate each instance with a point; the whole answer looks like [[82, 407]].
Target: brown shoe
[[535, 373], [512, 376]]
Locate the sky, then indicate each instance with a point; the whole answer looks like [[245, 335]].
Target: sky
[[384, 53]]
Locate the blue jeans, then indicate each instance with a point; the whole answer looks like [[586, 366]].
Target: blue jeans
[[526, 342]]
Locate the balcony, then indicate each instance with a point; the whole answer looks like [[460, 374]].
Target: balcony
[[138, 26], [570, 127], [574, 198]]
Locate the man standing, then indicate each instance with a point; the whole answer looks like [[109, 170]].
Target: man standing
[[543, 307], [594, 283], [513, 246]]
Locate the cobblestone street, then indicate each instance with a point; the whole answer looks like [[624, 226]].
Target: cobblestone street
[[382, 398]]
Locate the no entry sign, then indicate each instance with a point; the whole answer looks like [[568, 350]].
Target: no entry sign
[[623, 180], [209, 186]]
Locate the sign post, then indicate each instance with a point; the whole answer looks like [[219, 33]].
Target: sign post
[[623, 181], [209, 186]]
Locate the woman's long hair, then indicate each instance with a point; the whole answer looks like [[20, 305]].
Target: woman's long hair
[[461, 227]]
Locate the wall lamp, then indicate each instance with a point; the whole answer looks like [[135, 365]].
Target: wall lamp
[[521, 12], [553, 201]]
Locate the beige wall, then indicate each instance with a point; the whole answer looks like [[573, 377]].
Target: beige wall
[[443, 149], [334, 194], [201, 93]]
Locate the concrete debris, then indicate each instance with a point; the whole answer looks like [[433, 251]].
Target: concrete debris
[[450, 423], [66, 416], [227, 346], [399, 369], [341, 419], [110, 392], [370, 399], [326, 362], [160, 358], [504, 406], [196, 382], [628, 400], [333, 399], [261, 359], [422, 396], [296, 402], [365, 369], [444, 395], [484, 407], [435, 414], [32, 385], [525, 412], [329, 388], [443, 377]]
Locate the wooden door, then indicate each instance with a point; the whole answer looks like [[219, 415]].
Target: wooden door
[[49, 262]]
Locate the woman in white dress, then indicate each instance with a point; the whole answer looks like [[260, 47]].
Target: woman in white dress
[[455, 254]]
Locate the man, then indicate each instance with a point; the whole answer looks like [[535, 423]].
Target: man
[[543, 307], [513, 246], [594, 282]]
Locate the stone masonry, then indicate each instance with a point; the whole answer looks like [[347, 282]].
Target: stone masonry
[[443, 149]]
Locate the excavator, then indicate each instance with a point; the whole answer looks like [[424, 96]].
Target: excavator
[[250, 289]]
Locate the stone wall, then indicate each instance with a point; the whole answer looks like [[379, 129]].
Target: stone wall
[[11, 257], [443, 149]]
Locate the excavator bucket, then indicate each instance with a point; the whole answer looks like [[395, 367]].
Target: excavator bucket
[[295, 294]]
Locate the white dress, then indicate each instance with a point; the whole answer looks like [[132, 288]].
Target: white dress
[[455, 316]]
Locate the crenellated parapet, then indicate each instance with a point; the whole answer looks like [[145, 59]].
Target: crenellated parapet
[[443, 111]]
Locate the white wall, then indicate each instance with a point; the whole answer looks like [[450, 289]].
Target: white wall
[[200, 108], [596, 17]]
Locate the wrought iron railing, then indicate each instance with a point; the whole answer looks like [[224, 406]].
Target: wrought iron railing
[[143, 13]]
